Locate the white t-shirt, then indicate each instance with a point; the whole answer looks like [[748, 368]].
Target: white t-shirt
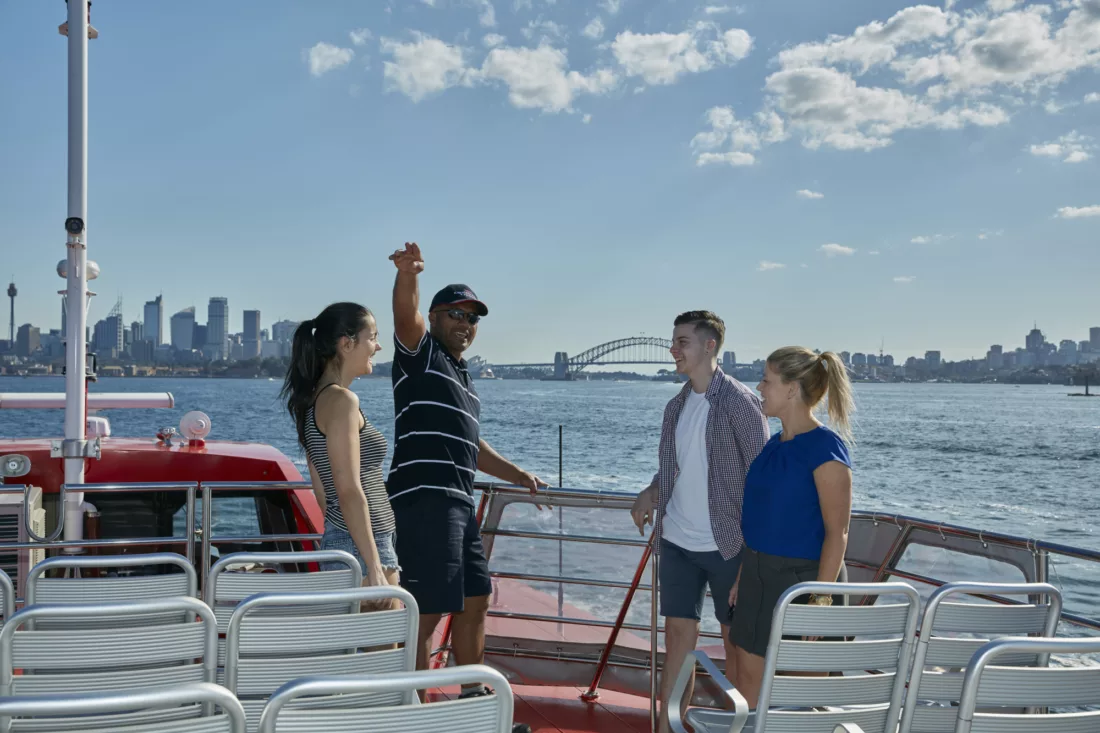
[[687, 517]]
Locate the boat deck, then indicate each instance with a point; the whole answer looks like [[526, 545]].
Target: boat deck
[[561, 710]]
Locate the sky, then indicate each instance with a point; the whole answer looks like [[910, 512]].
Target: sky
[[841, 175]]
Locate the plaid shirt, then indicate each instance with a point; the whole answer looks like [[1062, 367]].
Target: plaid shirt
[[736, 433]]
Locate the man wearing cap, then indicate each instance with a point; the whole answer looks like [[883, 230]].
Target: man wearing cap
[[437, 451]]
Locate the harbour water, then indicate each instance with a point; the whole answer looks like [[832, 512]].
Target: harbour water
[[1022, 460]]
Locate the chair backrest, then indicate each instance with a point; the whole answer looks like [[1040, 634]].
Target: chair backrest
[[265, 651], [873, 688], [225, 588], [137, 588], [79, 713], [7, 597], [935, 684], [324, 713], [105, 654], [988, 687]]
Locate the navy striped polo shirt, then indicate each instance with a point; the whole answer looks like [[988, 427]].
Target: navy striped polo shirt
[[436, 432]]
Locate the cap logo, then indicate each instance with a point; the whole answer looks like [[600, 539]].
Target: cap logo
[[466, 294]]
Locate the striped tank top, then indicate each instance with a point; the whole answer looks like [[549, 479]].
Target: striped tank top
[[372, 451]]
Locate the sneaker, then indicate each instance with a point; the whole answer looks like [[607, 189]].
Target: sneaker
[[516, 727]]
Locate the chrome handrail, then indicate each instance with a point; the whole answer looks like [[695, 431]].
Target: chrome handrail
[[109, 488], [208, 489]]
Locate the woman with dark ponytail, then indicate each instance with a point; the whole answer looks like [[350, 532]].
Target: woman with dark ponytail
[[345, 451]]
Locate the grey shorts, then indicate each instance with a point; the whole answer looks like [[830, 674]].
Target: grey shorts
[[340, 539], [764, 579], [685, 576]]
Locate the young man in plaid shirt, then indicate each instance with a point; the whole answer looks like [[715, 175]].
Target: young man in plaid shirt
[[712, 430]]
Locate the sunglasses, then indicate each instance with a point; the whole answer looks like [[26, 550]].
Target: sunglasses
[[458, 314]]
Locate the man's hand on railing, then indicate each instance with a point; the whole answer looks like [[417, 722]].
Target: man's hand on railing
[[644, 508]]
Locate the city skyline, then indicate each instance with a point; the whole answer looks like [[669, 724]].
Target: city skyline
[[253, 330], [815, 173]]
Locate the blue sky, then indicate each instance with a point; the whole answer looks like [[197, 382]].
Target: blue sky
[[829, 174]]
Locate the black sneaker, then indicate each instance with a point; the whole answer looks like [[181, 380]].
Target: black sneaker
[[516, 727]]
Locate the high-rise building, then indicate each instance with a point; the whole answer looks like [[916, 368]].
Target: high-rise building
[[250, 339], [154, 321], [217, 329], [859, 359], [872, 360], [1034, 341], [846, 358], [283, 331], [137, 332], [108, 336], [1067, 352], [932, 360], [199, 337], [183, 329], [995, 359], [1094, 338], [27, 340], [729, 361]]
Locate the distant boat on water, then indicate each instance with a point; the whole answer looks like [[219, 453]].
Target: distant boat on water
[[1086, 393]]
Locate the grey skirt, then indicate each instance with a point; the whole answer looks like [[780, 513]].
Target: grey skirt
[[764, 578]]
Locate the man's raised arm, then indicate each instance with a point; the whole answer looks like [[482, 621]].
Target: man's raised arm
[[408, 323]]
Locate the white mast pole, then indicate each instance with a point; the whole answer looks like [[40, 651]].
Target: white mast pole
[[76, 275]]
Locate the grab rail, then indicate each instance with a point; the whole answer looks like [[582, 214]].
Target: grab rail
[[114, 488], [208, 539]]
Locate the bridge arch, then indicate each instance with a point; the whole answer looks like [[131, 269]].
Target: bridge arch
[[633, 350]]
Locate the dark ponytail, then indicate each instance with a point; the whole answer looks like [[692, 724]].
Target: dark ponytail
[[316, 343]]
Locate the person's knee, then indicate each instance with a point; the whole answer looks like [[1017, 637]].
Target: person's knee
[[476, 606], [428, 623], [681, 629]]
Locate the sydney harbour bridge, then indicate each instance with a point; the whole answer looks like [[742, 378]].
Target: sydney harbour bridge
[[633, 350]]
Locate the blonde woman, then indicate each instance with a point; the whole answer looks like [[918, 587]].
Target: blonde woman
[[798, 499]]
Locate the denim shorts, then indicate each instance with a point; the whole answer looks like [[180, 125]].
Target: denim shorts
[[685, 576], [340, 539]]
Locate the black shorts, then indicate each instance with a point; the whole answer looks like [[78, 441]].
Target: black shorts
[[764, 578], [439, 546]]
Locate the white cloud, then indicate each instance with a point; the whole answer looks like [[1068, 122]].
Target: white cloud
[[586, 119], [487, 15], [431, 3], [873, 252], [661, 58], [594, 29], [423, 67], [723, 9], [1078, 212], [764, 266], [921, 239], [325, 57], [936, 68], [990, 234], [832, 250], [804, 266], [734, 158], [360, 36], [1072, 147], [612, 6], [1092, 97], [537, 78], [808, 194], [904, 278], [547, 31], [492, 40], [872, 44], [742, 137]]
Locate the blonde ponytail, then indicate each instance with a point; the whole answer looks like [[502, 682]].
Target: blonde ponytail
[[819, 376]]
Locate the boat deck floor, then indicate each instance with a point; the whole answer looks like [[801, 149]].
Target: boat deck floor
[[561, 710]]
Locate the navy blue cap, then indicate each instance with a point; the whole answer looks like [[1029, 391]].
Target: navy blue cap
[[458, 293]]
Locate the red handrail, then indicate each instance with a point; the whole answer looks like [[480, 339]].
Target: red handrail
[[601, 666]]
